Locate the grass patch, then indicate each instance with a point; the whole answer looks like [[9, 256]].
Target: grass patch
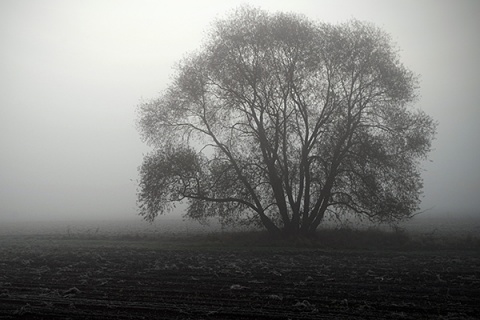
[[324, 239], [335, 239]]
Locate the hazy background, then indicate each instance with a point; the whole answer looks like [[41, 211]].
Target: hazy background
[[72, 74]]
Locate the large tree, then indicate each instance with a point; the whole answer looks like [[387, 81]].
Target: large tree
[[279, 121]]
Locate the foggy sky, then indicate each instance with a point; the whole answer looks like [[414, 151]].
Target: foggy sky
[[72, 74]]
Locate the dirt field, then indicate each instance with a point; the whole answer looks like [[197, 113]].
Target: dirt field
[[44, 278]]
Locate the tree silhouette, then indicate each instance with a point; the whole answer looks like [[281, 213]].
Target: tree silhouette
[[279, 121]]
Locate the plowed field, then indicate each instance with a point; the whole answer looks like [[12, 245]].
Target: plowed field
[[130, 280]]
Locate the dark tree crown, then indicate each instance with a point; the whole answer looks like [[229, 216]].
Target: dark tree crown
[[280, 121]]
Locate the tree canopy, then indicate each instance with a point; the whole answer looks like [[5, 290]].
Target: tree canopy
[[279, 121]]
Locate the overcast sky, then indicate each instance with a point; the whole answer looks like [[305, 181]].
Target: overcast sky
[[72, 74]]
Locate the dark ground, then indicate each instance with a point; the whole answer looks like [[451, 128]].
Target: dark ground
[[42, 278]]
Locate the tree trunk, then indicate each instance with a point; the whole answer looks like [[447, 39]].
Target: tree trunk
[[268, 224]]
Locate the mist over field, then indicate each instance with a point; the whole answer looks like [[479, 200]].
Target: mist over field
[[171, 227]]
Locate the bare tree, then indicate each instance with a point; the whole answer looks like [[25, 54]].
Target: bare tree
[[280, 121]]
